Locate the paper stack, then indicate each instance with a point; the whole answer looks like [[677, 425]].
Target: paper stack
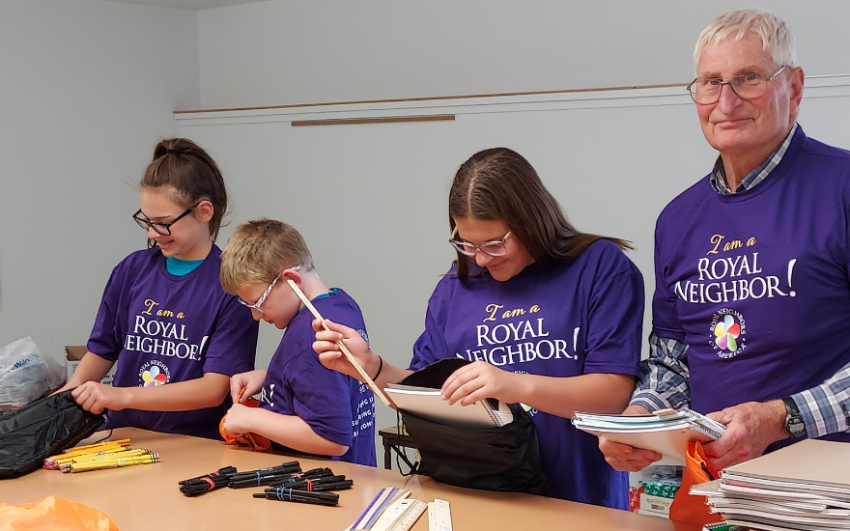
[[805, 486], [430, 404], [665, 431]]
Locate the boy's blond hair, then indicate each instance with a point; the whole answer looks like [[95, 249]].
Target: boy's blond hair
[[259, 251]]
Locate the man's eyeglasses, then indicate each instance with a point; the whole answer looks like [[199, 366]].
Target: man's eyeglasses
[[265, 295], [746, 86], [160, 228], [494, 248]]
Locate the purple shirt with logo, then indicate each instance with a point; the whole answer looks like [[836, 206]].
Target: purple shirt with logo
[[756, 283], [581, 317], [161, 328], [337, 407]]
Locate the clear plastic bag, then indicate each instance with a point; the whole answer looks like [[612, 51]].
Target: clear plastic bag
[[26, 374]]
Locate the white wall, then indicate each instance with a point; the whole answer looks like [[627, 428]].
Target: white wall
[[307, 51], [86, 89]]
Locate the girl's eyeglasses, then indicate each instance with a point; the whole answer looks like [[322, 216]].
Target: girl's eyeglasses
[[160, 228], [494, 248]]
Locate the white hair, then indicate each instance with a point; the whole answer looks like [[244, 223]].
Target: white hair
[[775, 35]]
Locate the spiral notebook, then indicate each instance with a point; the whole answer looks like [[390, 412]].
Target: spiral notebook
[[666, 431], [429, 403]]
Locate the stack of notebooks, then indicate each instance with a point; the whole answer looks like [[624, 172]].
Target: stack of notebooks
[[805, 486], [429, 403], [666, 431]]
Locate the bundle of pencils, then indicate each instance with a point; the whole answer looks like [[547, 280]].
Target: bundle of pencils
[[321, 483], [264, 476], [109, 454], [207, 482], [300, 496], [67, 456], [112, 461]]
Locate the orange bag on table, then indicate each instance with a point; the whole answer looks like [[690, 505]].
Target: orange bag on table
[[251, 440], [693, 508], [53, 514]]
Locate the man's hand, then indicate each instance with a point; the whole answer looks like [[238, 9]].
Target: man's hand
[[750, 428], [624, 457]]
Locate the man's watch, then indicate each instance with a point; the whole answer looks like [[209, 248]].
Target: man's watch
[[794, 426]]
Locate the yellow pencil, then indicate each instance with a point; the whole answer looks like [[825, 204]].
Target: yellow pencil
[[122, 442], [91, 450]]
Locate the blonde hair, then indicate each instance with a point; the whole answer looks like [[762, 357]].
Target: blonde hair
[[258, 251], [776, 36]]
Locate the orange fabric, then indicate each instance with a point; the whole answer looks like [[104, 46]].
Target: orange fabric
[[53, 514], [251, 440], [693, 508]]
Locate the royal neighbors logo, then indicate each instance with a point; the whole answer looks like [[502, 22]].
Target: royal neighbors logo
[[728, 333], [154, 373]]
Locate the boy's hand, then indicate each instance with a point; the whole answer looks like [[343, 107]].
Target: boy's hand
[[332, 357], [95, 397], [237, 421], [251, 381]]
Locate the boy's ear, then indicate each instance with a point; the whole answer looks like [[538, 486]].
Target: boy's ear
[[292, 274]]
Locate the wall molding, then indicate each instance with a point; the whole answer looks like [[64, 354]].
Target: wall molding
[[423, 108]]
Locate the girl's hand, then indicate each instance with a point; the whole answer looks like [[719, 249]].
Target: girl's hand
[[480, 380], [332, 357], [95, 397]]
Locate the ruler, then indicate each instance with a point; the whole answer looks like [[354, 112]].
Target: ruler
[[439, 516], [400, 516]]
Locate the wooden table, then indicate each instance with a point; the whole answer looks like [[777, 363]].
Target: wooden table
[[147, 497], [394, 440]]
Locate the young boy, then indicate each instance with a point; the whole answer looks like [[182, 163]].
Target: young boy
[[303, 405]]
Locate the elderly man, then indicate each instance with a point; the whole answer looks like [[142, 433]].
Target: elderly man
[[751, 313]]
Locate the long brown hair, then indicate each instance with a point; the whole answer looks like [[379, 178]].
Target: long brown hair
[[191, 174], [499, 184]]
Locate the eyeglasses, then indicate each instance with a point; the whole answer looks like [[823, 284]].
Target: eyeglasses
[[160, 228], [265, 295], [494, 248], [745, 86]]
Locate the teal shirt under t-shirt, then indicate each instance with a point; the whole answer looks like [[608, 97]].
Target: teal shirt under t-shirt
[[178, 267]]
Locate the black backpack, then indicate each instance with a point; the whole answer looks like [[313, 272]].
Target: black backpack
[[505, 458], [40, 429]]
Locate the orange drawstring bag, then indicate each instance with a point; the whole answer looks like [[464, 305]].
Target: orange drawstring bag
[[251, 440], [693, 508], [54, 514]]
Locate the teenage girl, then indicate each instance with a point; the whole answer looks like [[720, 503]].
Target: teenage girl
[[175, 335], [551, 318]]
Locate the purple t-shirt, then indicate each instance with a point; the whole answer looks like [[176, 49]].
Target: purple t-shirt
[[162, 328], [581, 317], [757, 282], [337, 407]]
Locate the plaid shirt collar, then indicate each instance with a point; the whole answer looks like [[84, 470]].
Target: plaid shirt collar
[[718, 175]]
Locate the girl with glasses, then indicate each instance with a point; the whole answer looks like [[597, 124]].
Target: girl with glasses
[[551, 318], [174, 333]]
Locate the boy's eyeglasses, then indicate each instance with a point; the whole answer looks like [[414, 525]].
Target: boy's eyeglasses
[[163, 229], [264, 296], [494, 248]]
